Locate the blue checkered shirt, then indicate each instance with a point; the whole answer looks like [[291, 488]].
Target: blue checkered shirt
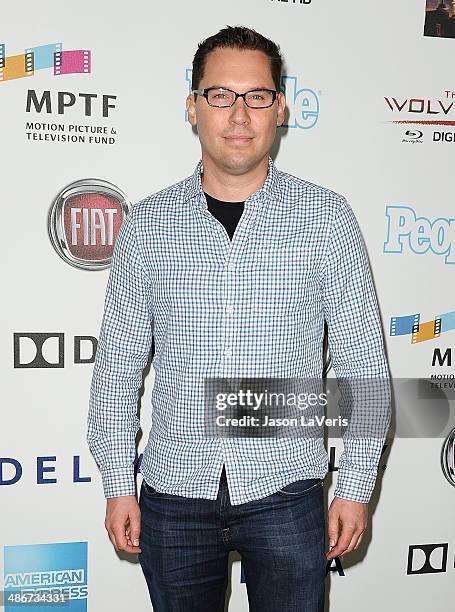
[[253, 307]]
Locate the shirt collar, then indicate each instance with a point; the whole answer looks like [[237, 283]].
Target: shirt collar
[[194, 188]]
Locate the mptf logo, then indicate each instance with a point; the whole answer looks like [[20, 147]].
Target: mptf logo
[[53, 574], [84, 221], [419, 234], [303, 104], [73, 61]]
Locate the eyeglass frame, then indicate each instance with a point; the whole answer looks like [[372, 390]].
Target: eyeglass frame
[[204, 93]]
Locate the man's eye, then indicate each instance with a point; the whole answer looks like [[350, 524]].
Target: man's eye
[[219, 95]]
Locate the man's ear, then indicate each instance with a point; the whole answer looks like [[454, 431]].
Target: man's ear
[[281, 115], [191, 109]]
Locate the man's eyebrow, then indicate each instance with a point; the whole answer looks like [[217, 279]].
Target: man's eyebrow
[[226, 87]]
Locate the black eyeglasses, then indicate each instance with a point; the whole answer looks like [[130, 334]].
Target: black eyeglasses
[[223, 98]]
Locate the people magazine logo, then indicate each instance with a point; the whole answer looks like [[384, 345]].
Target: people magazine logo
[[48, 576], [302, 103], [84, 221], [409, 232], [78, 112]]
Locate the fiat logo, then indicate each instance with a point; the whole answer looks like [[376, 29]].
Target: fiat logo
[[84, 221]]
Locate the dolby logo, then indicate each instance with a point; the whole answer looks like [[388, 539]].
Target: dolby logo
[[47, 350], [84, 221], [427, 559]]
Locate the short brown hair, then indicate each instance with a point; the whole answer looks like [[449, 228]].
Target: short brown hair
[[237, 37]]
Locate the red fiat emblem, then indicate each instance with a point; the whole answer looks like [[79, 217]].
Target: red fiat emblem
[[84, 221]]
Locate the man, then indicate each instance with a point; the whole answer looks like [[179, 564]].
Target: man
[[233, 272]]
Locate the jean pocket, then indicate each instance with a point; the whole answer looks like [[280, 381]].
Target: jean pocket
[[299, 488], [148, 489]]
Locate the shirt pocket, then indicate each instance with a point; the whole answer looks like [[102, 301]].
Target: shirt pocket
[[284, 280]]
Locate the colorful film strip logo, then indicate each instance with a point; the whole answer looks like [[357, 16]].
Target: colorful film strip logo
[[74, 61], [421, 331]]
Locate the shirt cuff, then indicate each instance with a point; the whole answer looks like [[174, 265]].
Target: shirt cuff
[[355, 485], [119, 481]]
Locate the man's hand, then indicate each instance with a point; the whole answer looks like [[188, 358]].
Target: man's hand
[[349, 516], [123, 523]]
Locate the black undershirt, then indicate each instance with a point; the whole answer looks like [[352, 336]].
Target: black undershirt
[[227, 213]]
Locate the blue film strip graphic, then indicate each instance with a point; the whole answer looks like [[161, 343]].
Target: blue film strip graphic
[[412, 325], [43, 56], [402, 326]]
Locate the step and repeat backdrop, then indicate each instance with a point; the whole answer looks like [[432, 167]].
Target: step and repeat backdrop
[[92, 103]]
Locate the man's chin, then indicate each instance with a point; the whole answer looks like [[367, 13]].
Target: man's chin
[[239, 164]]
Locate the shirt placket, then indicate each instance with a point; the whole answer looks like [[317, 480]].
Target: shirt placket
[[233, 269], [234, 251]]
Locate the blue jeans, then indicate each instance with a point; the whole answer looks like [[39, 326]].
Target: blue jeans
[[186, 542]]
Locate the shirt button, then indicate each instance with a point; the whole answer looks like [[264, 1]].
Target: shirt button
[[229, 309], [227, 352], [231, 265]]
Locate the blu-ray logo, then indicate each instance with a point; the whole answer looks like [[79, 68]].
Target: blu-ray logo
[[414, 133], [413, 136], [419, 234], [302, 104]]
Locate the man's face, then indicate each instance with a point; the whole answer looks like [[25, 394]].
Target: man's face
[[255, 128]]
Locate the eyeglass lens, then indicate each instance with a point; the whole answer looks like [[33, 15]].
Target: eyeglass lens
[[223, 97]]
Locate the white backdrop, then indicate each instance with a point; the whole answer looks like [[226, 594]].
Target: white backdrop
[[351, 57]]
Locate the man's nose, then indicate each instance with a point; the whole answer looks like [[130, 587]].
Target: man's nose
[[239, 111]]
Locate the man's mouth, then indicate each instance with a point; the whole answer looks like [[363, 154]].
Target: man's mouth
[[239, 139]]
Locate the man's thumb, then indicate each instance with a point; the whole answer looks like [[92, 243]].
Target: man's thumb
[[135, 529], [332, 531]]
